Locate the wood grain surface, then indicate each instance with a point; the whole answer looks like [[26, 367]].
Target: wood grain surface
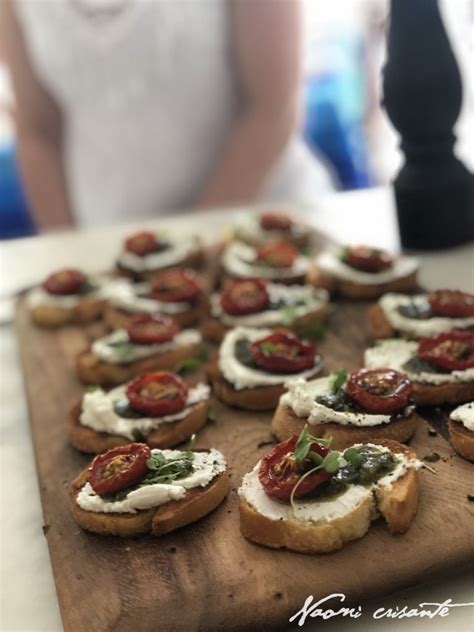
[[207, 576]]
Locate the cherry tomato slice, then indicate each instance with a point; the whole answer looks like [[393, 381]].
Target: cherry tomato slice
[[157, 394], [380, 391], [119, 468], [367, 259], [142, 243], [175, 286], [151, 329], [453, 351], [279, 473], [278, 254], [244, 296], [283, 353], [452, 303], [275, 220], [66, 281]]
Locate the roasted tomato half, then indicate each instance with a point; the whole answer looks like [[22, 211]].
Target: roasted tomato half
[[244, 296], [278, 254], [275, 220], [142, 243], [279, 472], [151, 329], [283, 353], [367, 259], [452, 303], [175, 286], [119, 468], [453, 351], [380, 391], [66, 281], [157, 394]]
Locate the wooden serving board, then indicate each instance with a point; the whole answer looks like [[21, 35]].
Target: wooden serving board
[[207, 576]]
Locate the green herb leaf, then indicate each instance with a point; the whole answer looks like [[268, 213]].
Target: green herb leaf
[[288, 314], [122, 347], [92, 387], [267, 348], [304, 443], [165, 471], [352, 456], [338, 380], [331, 462]]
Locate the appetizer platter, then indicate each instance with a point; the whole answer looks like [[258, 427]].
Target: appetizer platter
[[222, 467]]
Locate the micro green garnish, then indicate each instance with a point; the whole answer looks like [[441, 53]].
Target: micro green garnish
[[92, 387], [288, 314], [267, 348], [192, 441], [352, 455], [338, 379], [304, 443], [310, 331], [122, 347], [191, 364], [165, 470]]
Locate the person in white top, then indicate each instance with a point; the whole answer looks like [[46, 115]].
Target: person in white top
[[129, 108]]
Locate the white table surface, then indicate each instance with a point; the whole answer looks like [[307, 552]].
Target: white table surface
[[28, 599]]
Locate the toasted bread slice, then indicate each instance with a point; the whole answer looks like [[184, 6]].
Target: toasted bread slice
[[194, 260], [197, 503], [92, 370], [286, 423], [115, 318], [461, 439], [297, 279], [167, 435], [379, 327], [360, 291], [85, 311], [397, 504], [437, 394]]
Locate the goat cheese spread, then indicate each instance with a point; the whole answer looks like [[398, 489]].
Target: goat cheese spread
[[177, 250], [132, 297], [239, 260], [332, 265], [465, 415]]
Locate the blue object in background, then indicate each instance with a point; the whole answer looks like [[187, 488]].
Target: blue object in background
[[15, 219]]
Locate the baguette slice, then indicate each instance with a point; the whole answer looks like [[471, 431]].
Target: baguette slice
[[85, 311], [197, 503], [397, 505], [296, 279], [379, 327], [461, 439], [286, 423], [194, 260], [167, 435], [92, 370]]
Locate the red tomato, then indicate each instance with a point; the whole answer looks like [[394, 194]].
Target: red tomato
[[452, 303], [151, 329], [278, 254], [244, 296], [66, 281], [380, 391], [283, 353], [142, 243], [119, 468], [367, 259], [275, 220], [279, 472], [453, 351], [175, 286], [157, 394]]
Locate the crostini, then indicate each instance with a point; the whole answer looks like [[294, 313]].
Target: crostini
[[363, 272], [146, 252], [276, 261], [306, 497], [441, 368], [461, 430], [133, 490], [422, 315], [147, 343], [258, 303], [175, 292], [362, 406], [253, 365], [259, 228], [67, 296], [156, 408]]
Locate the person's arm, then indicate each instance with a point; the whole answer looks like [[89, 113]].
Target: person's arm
[[267, 41], [38, 127]]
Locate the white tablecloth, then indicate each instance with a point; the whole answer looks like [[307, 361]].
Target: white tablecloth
[[27, 589]]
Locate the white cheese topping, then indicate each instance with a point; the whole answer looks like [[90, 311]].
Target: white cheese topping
[[324, 509], [98, 412], [241, 376], [417, 327], [311, 300], [39, 297], [131, 297], [465, 415], [393, 354], [179, 249], [247, 227], [207, 465], [129, 351], [301, 399], [239, 260], [330, 264]]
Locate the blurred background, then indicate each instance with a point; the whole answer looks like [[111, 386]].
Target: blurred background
[[344, 121]]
